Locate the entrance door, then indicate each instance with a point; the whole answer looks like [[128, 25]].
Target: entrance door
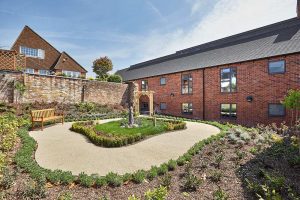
[[144, 108]]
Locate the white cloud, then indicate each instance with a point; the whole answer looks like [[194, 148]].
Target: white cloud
[[196, 5], [228, 17], [155, 10]]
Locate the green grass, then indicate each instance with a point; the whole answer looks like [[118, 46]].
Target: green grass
[[114, 128]]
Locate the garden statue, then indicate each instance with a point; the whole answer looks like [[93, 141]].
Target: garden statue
[[130, 117]]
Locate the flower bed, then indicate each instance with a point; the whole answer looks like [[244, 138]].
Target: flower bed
[[112, 134]]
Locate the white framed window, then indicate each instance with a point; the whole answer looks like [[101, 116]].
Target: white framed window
[[187, 108], [71, 73], [44, 72], [29, 71], [32, 52], [41, 53], [163, 81], [228, 110]]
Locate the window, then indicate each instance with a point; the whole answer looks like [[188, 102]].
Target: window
[[31, 52], [277, 67], [186, 84], [144, 85], [228, 110], [29, 71], [71, 73], [162, 81], [276, 110], [187, 108], [44, 72], [228, 80], [163, 106]]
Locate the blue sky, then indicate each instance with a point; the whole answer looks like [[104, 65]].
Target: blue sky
[[132, 31]]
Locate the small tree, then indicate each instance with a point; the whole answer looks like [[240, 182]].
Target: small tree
[[101, 67], [114, 78], [292, 101]]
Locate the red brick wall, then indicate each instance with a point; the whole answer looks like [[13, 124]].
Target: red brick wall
[[173, 85], [253, 80]]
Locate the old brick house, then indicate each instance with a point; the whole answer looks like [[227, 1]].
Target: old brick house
[[242, 78], [42, 58]]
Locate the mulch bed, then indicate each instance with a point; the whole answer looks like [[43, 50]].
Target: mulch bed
[[232, 168]]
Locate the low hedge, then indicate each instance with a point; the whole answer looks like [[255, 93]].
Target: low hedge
[[87, 129], [24, 159]]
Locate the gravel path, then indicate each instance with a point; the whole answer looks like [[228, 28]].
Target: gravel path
[[59, 148]]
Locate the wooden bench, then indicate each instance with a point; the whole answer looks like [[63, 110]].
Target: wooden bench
[[44, 116]]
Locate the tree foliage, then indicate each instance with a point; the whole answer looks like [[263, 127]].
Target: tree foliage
[[114, 78], [101, 67], [292, 102]]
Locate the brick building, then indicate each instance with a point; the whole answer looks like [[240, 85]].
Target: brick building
[[41, 57], [242, 78]]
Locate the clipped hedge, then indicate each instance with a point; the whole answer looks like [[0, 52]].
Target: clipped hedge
[[24, 159], [86, 128]]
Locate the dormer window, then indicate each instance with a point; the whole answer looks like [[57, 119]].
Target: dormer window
[[31, 52]]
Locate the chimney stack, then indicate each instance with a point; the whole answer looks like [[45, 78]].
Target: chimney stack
[[298, 8]]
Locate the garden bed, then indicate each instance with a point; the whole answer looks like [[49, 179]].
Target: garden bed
[[117, 134], [244, 164]]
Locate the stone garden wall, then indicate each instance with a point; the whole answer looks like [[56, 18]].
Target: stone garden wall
[[60, 89]]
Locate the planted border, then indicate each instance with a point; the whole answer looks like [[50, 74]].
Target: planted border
[[24, 159], [85, 128]]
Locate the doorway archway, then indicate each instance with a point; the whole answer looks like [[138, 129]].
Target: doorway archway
[[144, 102]]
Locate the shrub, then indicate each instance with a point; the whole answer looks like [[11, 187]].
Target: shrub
[[166, 180], [152, 173], [181, 161], [65, 196], [218, 159], [2, 160], [245, 136], [253, 150], [100, 181], [54, 177], [163, 169], [139, 176], [113, 179], [66, 178], [172, 165], [216, 176], [159, 193], [127, 177], [191, 182], [35, 190], [240, 154], [114, 78], [220, 195], [133, 197], [85, 180], [7, 179]]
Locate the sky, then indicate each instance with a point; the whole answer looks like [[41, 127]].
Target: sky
[[133, 31]]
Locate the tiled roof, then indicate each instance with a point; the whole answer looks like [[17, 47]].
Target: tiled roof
[[30, 38], [276, 39], [66, 62]]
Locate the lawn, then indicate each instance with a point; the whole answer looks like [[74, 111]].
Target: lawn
[[116, 134], [146, 128]]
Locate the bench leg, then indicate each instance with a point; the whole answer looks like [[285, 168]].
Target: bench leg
[[62, 120], [42, 125], [32, 125]]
